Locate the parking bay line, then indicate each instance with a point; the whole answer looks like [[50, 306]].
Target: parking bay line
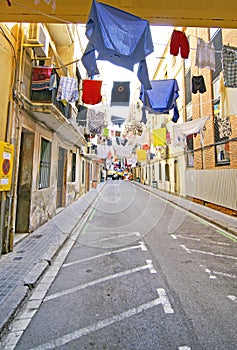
[[161, 300], [189, 250], [141, 245], [149, 266]]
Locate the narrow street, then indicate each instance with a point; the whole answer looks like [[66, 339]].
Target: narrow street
[[139, 274]]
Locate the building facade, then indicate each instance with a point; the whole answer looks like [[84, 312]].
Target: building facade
[[203, 168], [52, 162]]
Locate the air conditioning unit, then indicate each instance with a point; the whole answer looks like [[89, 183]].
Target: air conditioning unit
[[37, 35]]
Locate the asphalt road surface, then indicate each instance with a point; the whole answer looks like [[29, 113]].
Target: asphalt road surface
[[139, 274]]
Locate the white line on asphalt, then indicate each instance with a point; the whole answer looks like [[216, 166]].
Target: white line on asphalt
[[184, 348], [210, 274], [99, 280], [224, 274], [56, 343], [188, 250], [232, 297], [220, 243], [184, 237], [151, 266], [213, 273], [165, 301], [141, 246], [118, 235]]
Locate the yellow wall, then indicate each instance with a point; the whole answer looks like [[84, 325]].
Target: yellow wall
[[7, 68]]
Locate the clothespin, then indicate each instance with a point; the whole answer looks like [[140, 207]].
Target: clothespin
[[184, 29]]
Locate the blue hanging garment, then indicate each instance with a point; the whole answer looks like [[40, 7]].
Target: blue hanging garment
[[118, 37], [120, 94], [162, 97]]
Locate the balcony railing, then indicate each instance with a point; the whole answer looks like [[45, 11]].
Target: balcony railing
[[49, 96]]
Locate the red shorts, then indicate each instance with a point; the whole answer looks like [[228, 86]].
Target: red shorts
[[179, 40]]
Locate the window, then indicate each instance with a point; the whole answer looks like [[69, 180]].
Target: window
[[160, 172], [222, 131], [74, 157], [190, 152], [167, 172], [45, 163], [83, 172]]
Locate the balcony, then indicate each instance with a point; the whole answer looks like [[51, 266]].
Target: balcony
[[49, 96], [43, 106]]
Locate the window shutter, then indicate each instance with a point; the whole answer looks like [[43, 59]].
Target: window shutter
[[218, 43], [188, 95]]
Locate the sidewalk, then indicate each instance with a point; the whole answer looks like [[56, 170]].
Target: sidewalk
[[224, 221], [21, 269]]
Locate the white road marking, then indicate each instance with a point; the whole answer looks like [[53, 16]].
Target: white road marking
[[99, 280], [151, 266], [184, 348], [213, 273], [117, 235], [140, 246], [188, 250], [165, 301], [143, 247], [210, 274], [224, 274], [220, 243], [56, 343], [232, 297], [185, 237]]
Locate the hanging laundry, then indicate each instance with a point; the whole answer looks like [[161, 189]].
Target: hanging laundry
[[146, 147], [119, 37], [144, 138], [120, 93], [162, 97], [41, 78], [224, 127], [123, 151], [81, 118], [159, 137], [141, 155], [95, 122], [68, 90], [144, 118], [181, 131], [105, 132], [228, 98], [54, 80], [78, 74], [198, 84], [117, 120], [229, 65], [205, 55], [91, 91], [103, 151], [179, 41]]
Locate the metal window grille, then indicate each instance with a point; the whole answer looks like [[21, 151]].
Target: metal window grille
[[45, 164]]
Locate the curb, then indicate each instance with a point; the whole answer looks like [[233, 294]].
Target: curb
[[20, 293], [230, 229]]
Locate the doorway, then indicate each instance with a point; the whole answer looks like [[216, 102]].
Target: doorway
[[62, 174], [176, 177], [24, 181]]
